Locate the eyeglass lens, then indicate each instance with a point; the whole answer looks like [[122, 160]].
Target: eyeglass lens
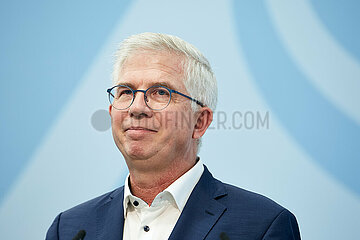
[[156, 98]]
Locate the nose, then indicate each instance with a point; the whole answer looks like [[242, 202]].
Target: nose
[[138, 108]]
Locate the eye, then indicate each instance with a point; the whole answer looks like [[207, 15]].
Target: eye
[[126, 92], [121, 92], [161, 92], [158, 93]]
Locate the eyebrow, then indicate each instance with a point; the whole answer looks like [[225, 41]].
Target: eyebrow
[[164, 84], [126, 84]]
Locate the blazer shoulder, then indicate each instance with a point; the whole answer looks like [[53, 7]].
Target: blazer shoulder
[[243, 202], [252, 199], [239, 199], [89, 206], [259, 215], [83, 216]]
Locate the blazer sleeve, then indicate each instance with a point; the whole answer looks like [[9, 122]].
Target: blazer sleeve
[[53, 232], [284, 227]]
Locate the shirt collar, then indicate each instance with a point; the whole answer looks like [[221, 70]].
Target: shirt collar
[[180, 190]]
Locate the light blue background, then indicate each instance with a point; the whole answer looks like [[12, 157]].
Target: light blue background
[[298, 61]]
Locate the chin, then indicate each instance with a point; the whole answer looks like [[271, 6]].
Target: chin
[[137, 151]]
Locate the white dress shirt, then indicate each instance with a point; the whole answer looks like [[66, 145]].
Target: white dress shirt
[[158, 220]]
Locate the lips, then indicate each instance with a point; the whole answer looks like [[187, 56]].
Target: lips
[[133, 128], [139, 133]]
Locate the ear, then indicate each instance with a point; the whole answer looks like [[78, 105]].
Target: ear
[[203, 121], [110, 108]]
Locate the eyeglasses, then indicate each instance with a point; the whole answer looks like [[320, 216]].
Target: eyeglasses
[[156, 97]]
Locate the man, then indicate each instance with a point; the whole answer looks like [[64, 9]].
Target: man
[[162, 103]]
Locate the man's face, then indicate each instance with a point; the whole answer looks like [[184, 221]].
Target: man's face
[[143, 135]]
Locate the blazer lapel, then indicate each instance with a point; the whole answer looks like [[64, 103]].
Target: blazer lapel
[[110, 217], [201, 211]]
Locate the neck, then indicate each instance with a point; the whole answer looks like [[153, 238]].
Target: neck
[[148, 184]]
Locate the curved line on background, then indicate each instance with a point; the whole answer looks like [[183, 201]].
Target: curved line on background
[[341, 19], [326, 64], [330, 138]]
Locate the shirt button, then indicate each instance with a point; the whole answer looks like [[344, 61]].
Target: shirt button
[[136, 203], [146, 228]]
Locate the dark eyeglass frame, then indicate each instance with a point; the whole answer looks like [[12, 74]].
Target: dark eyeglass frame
[[171, 91]]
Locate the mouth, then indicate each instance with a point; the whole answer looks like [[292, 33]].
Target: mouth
[[139, 133], [139, 129]]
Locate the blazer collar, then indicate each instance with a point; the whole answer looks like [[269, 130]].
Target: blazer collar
[[199, 215], [110, 217], [202, 210]]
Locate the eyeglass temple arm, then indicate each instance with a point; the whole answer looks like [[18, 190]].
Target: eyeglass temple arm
[[192, 99], [109, 91]]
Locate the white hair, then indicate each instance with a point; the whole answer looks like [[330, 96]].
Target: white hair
[[199, 79]]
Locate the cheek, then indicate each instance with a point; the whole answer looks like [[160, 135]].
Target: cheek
[[116, 122], [185, 121], [118, 116], [177, 123]]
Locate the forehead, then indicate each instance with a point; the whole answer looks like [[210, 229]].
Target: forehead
[[149, 67]]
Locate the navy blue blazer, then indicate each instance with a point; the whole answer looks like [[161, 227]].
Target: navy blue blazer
[[214, 210]]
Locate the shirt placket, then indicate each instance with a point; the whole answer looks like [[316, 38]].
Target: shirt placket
[[149, 217]]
